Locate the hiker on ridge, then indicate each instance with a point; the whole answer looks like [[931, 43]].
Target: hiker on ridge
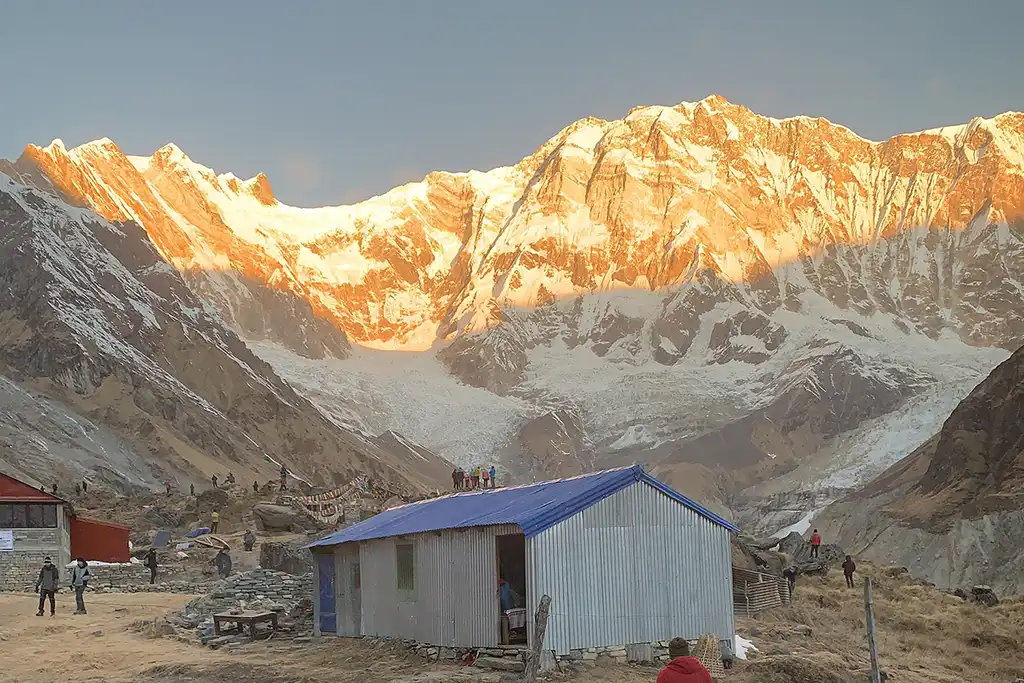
[[815, 543], [849, 567], [683, 668], [46, 585]]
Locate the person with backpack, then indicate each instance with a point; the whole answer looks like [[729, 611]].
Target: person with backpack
[[46, 585], [849, 567], [815, 543], [151, 564], [79, 582]]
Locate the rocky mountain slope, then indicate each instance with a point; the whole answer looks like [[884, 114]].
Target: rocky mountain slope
[[953, 511], [698, 287], [112, 368]]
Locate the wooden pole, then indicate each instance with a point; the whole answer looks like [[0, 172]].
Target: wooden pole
[[540, 626], [870, 620]]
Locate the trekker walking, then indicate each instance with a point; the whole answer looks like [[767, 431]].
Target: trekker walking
[[46, 585], [214, 521], [80, 581], [492, 473], [682, 668], [789, 573], [849, 567], [151, 564], [815, 543]]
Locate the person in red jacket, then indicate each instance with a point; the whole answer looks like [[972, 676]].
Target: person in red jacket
[[683, 668], [815, 543]]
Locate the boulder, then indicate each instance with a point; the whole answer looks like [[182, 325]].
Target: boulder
[[281, 518], [286, 557], [984, 595], [795, 546]]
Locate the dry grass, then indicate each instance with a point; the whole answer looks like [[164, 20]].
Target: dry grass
[[924, 635]]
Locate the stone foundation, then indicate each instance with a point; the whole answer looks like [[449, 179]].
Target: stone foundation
[[507, 658]]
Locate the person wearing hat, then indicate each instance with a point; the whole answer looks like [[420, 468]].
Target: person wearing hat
[[46, 585], [683, 668]]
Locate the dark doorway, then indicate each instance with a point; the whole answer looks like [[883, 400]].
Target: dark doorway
[[511, 566]]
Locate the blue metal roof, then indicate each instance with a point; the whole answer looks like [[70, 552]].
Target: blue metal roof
[[535, 507]]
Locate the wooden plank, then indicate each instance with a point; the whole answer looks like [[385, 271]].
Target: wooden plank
[[870, 620], [540, 627]]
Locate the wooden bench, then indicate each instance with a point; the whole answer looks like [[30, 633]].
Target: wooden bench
[[242, 619]]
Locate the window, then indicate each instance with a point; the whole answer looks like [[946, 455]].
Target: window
[[405, 560], [28, 516]]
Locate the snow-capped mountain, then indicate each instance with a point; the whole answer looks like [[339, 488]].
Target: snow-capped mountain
[[112, 368], [695, 286]]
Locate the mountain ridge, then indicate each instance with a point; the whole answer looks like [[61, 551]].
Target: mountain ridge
[[635, 289]]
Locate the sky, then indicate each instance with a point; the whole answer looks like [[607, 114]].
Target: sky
[[338, 101]]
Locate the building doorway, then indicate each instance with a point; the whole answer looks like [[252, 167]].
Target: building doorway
[[511, 570]]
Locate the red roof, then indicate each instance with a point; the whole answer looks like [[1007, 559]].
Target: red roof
[[14, 491]]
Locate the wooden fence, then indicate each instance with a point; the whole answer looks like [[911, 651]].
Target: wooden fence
[[754, 592]]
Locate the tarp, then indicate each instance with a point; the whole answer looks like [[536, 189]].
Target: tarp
[[162, 540], [196, 533]]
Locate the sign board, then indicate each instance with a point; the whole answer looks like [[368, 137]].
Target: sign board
[[6, 540]]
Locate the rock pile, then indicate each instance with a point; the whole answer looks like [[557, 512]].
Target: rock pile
[[982, 595], [259, 589]]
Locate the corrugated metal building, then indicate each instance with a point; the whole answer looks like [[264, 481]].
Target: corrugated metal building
[[625, 559]]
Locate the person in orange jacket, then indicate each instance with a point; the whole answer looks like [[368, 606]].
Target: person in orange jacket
[[815, 543]]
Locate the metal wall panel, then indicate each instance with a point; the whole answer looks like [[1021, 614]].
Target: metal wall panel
[[346, 566], [456, 587], [634, 568]]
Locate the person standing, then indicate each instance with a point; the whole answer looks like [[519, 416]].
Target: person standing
[[192, 490], [151, 564], [682, 668], [284, 478], [214, 521], [476, 476], [55, 489], [80, 581], [214, 480], [223, 563], [815, 543], [46, 585], [849, 567], [249, 540], [492, 473], [456, 479], [256, 487], [485, 475]]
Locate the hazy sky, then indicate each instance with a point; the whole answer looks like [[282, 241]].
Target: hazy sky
[[337, 101]]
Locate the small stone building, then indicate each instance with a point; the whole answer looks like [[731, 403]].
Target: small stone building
[[628, 562], [35, 524]]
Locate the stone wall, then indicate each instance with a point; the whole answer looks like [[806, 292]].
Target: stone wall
[[255, 589], [19, 568]]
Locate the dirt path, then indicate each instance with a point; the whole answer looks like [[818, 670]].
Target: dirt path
[[103, 647]]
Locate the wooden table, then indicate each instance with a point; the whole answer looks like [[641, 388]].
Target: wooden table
[[242, 619]]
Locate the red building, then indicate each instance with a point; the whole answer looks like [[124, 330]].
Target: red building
[[35, 524]]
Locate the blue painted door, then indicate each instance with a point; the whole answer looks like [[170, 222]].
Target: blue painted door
[[328, 612]]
